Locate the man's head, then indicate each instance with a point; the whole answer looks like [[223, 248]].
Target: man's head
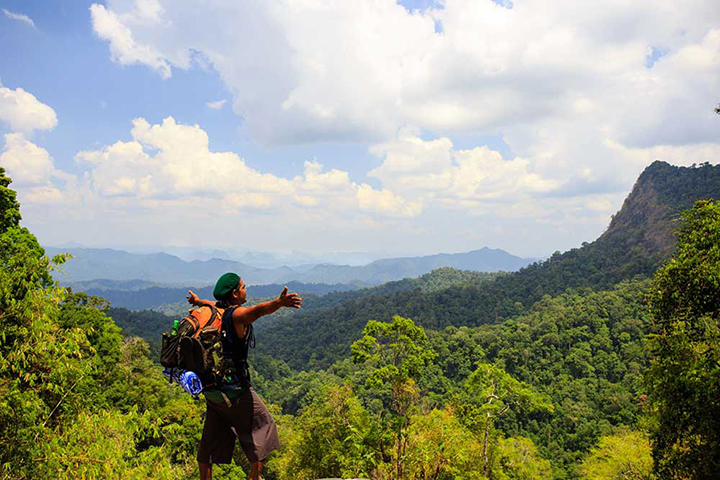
[[230, 289]]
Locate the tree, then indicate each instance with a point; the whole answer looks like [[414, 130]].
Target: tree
[[330, 438], [398, 355], [9, 206], [41, 364], [490, 393], [441, 448], [622, 456], [77, 402], [518, 459], [684, 376]]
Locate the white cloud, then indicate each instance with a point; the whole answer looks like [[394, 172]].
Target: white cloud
[[19, 17], [123, 46], [23, 112], [216, 105], [30, 166], [677, 155], [311, 70], [26, 163], [171, 162], [387, 202], [567, 88], [434, 169], [33, 172]]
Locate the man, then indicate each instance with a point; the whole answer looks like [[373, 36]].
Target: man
[[234, 410]]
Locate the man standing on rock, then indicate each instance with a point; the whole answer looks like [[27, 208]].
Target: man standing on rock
[[234, 410]]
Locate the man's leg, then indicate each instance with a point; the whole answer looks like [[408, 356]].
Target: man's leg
[[255, 469], [205, 470]]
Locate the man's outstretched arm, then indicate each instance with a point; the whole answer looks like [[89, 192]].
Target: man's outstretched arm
[[247, 315]]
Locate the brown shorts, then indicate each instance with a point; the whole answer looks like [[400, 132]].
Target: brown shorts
[[247, 419]]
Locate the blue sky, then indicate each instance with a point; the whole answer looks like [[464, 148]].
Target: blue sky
[[441, 126]]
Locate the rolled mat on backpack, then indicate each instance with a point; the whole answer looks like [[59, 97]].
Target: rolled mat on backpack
[[188, 380]]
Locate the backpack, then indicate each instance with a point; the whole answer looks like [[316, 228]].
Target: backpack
[[195, 345]]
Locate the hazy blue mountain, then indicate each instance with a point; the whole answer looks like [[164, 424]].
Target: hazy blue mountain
[[387, 270], [103, 284], [88, 265], [156, 296], [91, 263]]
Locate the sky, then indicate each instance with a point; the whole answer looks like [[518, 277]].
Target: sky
[[393, 128]]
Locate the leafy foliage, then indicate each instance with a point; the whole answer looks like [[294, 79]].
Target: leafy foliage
[[440, 447], [518, 459], [332, 437], [621, 456], [490, 393], [504, 376], [68, 409], [147, 324], [685, 372], [398, 355]]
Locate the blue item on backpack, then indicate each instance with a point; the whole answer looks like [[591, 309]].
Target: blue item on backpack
[[188, 380], [191, 382]]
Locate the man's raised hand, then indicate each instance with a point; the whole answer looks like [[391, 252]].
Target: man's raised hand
[[290, 299], [192, 298]]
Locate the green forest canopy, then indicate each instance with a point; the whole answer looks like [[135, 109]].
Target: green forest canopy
[[555, 385]]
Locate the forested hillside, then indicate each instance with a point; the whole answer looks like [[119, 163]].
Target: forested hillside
[[78, 400], [423, 378], [639, 238], [149, 324], [583, 352]]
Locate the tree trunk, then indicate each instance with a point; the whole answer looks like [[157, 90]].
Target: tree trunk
[[399, 453], [485, 448]]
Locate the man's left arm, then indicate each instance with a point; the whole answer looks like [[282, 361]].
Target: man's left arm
[[196, 301], [247, 315]]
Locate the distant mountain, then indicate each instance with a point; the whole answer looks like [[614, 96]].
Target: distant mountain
[[387, 270], [640, 237], [104, 284], [155, 296], [89, 265]]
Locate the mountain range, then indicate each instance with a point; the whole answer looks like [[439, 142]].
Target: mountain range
[[640, 237], [125, 268]]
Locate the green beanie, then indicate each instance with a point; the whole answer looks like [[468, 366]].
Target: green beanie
[[225, 284]]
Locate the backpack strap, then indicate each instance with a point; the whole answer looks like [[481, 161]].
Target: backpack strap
[[194, 321]]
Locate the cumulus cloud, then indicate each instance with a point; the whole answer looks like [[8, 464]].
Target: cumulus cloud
[[311, 70], [23, 112], [26, 163], [434, 169], [30, 166], [569, 89], [386, 201], [123, 46], [172, 162], [20, 17], [33, 171]]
